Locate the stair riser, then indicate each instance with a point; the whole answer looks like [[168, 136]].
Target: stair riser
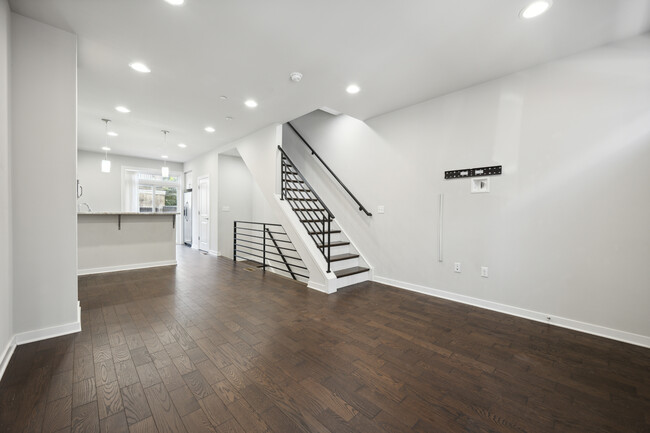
[[352, 279], [335, 237], [344, 264], [338, 250]]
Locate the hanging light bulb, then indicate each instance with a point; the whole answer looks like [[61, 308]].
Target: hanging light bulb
[[165, 169], [106, 164]]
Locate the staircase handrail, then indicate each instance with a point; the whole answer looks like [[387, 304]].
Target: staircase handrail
[[313, 152]]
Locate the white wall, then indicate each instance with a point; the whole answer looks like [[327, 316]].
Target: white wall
[[44, 152], [6, 289], [103, 191], [243, 199], [235, 199], [564, 231]]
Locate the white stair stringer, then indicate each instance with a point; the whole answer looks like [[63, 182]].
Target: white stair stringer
[[332, 283]]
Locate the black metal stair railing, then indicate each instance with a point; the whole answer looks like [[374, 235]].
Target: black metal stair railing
[[310, 208], [267, 245]]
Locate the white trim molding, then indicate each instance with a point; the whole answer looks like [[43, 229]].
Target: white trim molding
[[563, 322], [318, 286], [45, 333], [106, 269], [38, 335], [6, 355]]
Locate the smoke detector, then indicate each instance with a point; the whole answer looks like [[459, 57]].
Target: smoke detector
[[295, 77]]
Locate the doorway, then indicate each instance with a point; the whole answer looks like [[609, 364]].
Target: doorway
[[204, 213]]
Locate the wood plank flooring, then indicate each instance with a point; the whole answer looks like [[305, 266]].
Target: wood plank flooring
[[210, 346]]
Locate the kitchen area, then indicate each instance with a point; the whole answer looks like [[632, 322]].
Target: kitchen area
[[131, 212]]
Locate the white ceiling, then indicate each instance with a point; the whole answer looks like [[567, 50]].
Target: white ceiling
[[399, 53]]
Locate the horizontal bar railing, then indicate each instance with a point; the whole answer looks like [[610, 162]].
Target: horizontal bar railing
[[313, 152], [266, 248]]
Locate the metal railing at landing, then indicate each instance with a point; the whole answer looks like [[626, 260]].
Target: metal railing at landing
[[269, 246]]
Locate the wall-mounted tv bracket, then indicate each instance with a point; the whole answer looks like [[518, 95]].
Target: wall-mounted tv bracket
[[473, 172]]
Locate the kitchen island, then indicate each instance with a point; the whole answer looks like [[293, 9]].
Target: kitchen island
[[118, 241]]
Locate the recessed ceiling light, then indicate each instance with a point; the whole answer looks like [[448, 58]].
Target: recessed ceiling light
[[228, 118], [250, 103], [122, 109], [112, 134], [295, 77], [223, 97], [209, 129], [535, 9], [140, 67], [182, 145], [164, 156], [175, 2], [107, 149], [352, 89]]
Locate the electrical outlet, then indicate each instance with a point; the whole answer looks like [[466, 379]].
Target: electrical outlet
[[480, 185], [380, 209], [484, 271], [457, 267]]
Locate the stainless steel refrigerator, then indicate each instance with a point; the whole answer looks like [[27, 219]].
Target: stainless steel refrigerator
[[187, 218]]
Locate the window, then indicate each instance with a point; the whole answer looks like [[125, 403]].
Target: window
[[156, 198], [147, 191]]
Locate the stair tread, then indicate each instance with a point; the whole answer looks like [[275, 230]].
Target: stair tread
[[350, 271], [320, 232], [346, 256], [336, 244], [315, 221]]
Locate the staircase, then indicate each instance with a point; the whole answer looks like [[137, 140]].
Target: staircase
[[340, 255]]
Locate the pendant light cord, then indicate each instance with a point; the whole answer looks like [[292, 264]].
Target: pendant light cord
[[165, 132], [106, 121]]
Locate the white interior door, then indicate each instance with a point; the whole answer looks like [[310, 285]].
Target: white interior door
[[204, 214]]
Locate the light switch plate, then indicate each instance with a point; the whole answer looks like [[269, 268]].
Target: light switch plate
[[226, 208], [380, 209]]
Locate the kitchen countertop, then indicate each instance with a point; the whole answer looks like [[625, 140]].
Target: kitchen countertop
[[128, 213]]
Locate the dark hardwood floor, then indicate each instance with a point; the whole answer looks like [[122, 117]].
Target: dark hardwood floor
[[212, 346]]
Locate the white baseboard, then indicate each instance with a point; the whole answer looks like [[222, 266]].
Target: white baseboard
[[318, 286], [6, 355], [38, 335], [214, 253], [563, 322], [45, 333], [106, 269]]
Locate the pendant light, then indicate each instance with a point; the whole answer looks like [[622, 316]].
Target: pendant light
[[106, 164], [165, 169]]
